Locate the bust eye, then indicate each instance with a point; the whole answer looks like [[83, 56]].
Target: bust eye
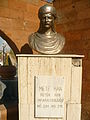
[[43, 17], [50, 17]]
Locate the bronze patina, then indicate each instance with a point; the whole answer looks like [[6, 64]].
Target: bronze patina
[[46, 40]]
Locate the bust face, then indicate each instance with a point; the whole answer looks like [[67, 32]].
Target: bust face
[[47, 20]]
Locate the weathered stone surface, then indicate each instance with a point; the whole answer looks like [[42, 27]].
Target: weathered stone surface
[[74, 22]]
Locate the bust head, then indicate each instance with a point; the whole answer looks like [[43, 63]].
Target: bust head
[[47, 9], [47, 15]]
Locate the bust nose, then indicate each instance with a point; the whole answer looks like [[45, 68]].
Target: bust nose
[[46, 18]]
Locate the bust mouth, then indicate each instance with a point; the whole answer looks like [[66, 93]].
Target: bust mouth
[[47, 22], [47, 25]]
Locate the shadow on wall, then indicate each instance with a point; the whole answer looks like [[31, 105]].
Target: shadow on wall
[[10, 42], [26, 49]]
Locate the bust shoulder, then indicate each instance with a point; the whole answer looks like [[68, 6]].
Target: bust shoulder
[[47, 45], [31, 36], [31, 39]]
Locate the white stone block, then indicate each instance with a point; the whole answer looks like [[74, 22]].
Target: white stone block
[[73, 112], [76, 85]]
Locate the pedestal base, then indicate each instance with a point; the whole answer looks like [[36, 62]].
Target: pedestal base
[[67, 66]]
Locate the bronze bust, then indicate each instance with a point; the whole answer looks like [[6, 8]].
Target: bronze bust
[[46, 40]]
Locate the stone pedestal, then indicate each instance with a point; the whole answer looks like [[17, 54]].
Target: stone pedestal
[[49, 87]]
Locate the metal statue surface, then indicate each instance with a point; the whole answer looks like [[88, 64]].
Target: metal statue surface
[[46, 40]]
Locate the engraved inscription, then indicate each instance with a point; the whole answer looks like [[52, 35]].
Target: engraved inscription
[[49, 96]]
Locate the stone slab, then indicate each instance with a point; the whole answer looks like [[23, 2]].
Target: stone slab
[[49, 96]]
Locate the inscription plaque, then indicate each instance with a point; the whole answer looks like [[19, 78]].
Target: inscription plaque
[[49, 96]]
